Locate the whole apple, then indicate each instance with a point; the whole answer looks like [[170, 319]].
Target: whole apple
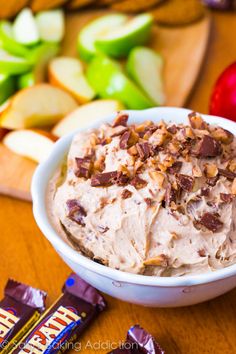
[[223, 99]]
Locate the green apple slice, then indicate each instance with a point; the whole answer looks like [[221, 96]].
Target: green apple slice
[[40, 57], [94, 29], [12, 65], [9, 43], [119, 41], [25, 29], [150, 80], [108, 80], [7, 87], [51, 25], [26, 80]]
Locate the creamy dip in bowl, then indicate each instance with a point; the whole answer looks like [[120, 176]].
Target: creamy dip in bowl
[[144, 209]]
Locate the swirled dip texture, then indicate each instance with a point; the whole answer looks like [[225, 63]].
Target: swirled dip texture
[[155, 199]]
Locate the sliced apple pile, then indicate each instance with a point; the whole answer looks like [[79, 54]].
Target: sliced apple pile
[[51, 25], [108, 80], [34, 144], [27, 44], [145, 67], [12, 65], [119, 41], [9, 43], [89, 112], [25, 28], [94, 29], [67, 73], [37, 106], [40, 57], [7, 87]]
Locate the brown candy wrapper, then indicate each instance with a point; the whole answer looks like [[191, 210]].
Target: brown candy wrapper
[[139, 341], [65, 320], [19, 310]]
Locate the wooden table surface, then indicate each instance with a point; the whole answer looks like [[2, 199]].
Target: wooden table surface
[[27, 256]]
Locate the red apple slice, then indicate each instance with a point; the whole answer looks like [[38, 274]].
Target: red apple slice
[[67, 73], [37, 106], [33, 144]]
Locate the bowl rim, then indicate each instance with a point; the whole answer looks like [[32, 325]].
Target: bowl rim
[[44, 172]]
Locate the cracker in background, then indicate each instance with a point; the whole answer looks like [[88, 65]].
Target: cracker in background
[[10, 8], [39, 5], [77, 4], [178, 12], [134, 5]]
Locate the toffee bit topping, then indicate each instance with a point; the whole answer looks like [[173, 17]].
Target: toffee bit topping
[[226, 173], [102, 229], [211, 170], [84, 166], [170, 195], [172, 129], [121, 119], [202, 252], [222, 135], [233, 187], [161, 260], [138, 182], [144, 150], [211, 222], [175, 168], [128, 139], [108, 178], [117, 131], [205, 192], [126, 194], [226, 198], [212, 181], [185, 182], [209, 147], [76, 211], [149, 202], [196, 121]]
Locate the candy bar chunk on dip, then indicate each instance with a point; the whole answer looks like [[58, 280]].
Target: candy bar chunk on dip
[[155, 198]]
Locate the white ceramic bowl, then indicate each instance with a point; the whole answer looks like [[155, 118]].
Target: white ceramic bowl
[[139, 289]]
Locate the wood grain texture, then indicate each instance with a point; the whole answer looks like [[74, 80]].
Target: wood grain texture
[[40, 5], [183, 50], [26, 255], [9, 8]]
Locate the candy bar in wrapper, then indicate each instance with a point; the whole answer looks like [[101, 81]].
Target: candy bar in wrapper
[[139, 341], [62, 324], [19, 310]]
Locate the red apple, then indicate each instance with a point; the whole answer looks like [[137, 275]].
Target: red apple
[[223, 99]]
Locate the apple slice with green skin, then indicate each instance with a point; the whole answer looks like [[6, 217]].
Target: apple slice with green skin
[[93, 30], [145, 67], [12, 65], [37, 106], [25, 29], [33, 144], [106, 77], [26, 80], [67, 73], [51, 25], [39, 57], [119, 41], [7, 87], [9, 43], [90, 112]]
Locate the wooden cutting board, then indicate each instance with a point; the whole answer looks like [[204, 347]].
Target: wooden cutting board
[[183, 49]]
